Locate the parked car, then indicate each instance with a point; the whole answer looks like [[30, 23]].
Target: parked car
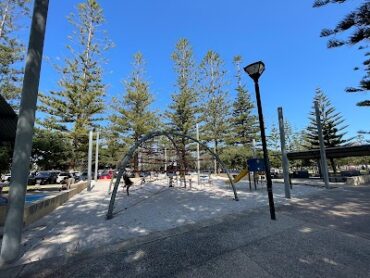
[[83, 176], [350, 173], [6, 177], [62, 176], [144, 174], [31, 178], [106, 175], [77, 176], [302, 174], [46, 177]]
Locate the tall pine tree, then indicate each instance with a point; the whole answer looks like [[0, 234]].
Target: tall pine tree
[[216, 110], [332, 126], [357, 22], [12, 50], [77, 106], [183, 108], [243, 123], [133, 117]]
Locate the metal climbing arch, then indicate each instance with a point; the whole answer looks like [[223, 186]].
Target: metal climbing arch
[[169, 134]]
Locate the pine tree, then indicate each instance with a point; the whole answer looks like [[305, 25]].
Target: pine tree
[[243, 123], [332, 126], [133, 117], [216, 111], [112, 149], [358, 23], [77, 106], [50, 150], [183, 109], [12, 50], [292, 142]]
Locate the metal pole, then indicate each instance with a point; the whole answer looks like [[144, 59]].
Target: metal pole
[[89, 161], [165, 160], [324, 164], [283, 153], [198, 156], [96, 157], [254, 147], [110, 186], [265, 152], [23, 142]]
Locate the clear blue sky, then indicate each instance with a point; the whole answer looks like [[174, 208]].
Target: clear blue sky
[[284, 34]]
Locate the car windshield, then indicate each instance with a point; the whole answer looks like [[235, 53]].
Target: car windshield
[[43, 174]]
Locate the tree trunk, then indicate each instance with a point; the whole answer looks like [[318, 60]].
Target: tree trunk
[[184, 166], [3, 20], [333, 165], [136, 165], [215, 160], [319, 166]]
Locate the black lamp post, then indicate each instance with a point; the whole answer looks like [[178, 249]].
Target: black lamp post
[[255, 70]]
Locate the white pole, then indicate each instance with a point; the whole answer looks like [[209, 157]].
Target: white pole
[[198, 156], [324, 165], [254, 147], [13, 226], [165, 160], [96, 157], [89, 160], [283, 153]]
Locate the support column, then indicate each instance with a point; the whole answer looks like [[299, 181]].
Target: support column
[[324, 164], [283, 153], [89, 161], [96, 157], [23, 143], [198, 156], [165, 160]]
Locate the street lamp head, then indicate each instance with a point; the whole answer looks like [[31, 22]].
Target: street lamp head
[[255, 70]]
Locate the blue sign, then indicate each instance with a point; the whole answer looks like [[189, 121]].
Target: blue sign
[[256, 165]]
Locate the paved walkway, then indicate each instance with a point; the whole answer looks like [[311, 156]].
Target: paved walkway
[[320, 235], [80, 223]]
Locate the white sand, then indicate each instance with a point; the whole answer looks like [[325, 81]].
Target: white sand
[[81, 224]]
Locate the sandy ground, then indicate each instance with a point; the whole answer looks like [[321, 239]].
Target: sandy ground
[[81, 224]]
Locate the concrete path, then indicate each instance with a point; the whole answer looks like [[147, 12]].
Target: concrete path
[[320, 235]]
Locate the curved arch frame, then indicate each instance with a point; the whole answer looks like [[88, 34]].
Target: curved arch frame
[[169, 134]]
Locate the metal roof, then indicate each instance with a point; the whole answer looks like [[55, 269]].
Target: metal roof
[[8, 121], [336, 152]]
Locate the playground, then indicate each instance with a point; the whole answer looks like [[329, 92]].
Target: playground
[[80, 224]]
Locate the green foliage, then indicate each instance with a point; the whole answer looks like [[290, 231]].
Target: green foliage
[[5, 158], [332, 126], [183, 109], [112, 148], [133, 117], [50, 150], [293, 142], [235, 157], [244, 125], [77, 106], [12, 50], [331, 121], [215, 111], [356, 23]]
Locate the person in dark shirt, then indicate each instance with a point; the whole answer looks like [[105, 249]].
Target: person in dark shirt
[[128, 182]]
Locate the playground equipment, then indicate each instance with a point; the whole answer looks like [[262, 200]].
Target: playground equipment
[[241, 175], [169, 134]]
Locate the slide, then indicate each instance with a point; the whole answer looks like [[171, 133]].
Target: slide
[[241, 175]]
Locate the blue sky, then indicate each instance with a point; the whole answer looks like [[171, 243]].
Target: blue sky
[[284, 34]]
